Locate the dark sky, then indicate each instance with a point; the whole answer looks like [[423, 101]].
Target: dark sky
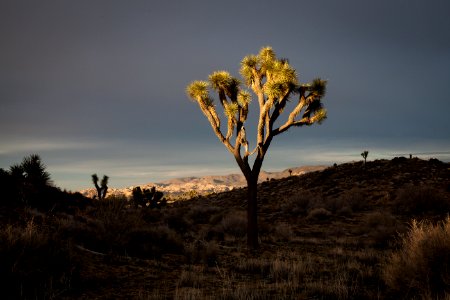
[[99, 86]]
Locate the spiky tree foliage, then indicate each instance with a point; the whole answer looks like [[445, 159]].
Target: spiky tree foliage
[[35, 170], [273, 81], [27, 181], [102, 189]]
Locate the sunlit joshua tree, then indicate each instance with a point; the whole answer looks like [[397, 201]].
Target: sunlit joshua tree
[[273, 81], [103, 188]]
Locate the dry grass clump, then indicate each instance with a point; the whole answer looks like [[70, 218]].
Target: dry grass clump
[[202, 252], [152, 242], [234, 224], [298, 204], [176, 218], [421, 199], [355, 199], [190, 277], [319, 214], [421, 267], [35, 263], [282, 232], [201, 213], [382, 227]]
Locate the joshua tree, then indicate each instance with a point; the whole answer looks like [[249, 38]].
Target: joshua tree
[[103, 188], [290, 172], [364, 155], [273, 81]]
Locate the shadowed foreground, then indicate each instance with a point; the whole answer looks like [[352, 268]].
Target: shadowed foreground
[[324, 235]]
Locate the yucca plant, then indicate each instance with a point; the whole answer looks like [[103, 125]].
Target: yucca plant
[[273, 81]]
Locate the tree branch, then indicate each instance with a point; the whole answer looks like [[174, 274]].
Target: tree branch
[[215, 125]]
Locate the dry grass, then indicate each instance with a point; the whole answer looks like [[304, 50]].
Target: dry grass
[[323, 236], [421, 265], [35, 263]]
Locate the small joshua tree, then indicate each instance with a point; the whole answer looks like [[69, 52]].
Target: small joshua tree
[[273, 81], [290, 172], [364, 155], [103, 188]]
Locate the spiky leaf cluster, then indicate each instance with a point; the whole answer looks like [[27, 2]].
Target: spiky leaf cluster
[[318, 87], [280, 77], [223, 82], [198, 90], [231, 109]]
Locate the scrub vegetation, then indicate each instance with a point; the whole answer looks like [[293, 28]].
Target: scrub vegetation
[[347, 232]]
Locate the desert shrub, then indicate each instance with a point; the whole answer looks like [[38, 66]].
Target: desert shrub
[[202, 252], [282, 232], [422, 265], [355, 199], [152, 215], [319, 214], [286, 270], [153, 242], [235, 224], [299, 203], [190, 278], [421, 199], [35, 263], [382, 227], [176, 218], [201, 214], [339, 206]]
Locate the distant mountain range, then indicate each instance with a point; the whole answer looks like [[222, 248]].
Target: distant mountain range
[[204, 185]]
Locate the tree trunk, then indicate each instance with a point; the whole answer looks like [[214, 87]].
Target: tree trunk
[[252, 213]]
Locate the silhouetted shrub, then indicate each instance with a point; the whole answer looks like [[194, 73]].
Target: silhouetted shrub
[[421, 267], [382, 227], [299, 203], [205, 252], [202, 214], [29, 184], [355, 199], [153, 242], [235, 224], [282, 232], [176, 219], [319, 214], [421, 199]]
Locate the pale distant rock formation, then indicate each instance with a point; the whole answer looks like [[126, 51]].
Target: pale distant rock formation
[[204, 185]]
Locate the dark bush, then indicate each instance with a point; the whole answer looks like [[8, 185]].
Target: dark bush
[[153, 242], [421, 199]]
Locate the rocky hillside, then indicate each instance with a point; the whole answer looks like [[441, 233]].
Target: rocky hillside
[[205, 185], [328, 234]]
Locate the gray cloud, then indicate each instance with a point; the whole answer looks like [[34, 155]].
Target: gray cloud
[[79, 75]]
